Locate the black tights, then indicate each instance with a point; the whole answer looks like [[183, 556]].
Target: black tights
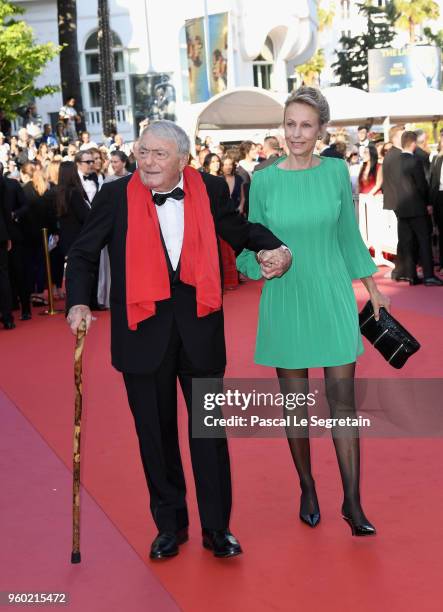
[[339, 386]]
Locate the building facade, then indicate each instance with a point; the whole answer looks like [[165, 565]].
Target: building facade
[[172, 57], [349, 22]]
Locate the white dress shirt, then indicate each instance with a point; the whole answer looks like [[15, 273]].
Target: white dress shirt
[[89, 186], [171, 216]]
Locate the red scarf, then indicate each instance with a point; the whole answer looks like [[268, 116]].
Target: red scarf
[[147, 278]]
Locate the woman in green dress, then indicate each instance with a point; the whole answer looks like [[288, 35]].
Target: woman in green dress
[[308, 318]]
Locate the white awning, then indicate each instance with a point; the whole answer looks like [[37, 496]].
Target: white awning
[[410, 105], [242, 108], [350, 106], [255, 108]]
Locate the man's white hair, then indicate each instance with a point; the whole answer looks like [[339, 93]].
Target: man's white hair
[[168, 130]]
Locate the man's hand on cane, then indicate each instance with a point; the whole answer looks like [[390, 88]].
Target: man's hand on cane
[[75, 316]]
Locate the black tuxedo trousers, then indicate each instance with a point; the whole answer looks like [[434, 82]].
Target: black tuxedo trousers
[[413, 232], [153, 402]]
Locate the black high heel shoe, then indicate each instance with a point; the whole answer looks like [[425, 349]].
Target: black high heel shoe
[[311, 519], [360, 529]]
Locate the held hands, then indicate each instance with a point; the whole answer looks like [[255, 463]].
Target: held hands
[[378, 301], [75, 316], [274, 263]]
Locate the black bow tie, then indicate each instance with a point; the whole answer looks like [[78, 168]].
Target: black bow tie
[[176, 194], [91, 177]]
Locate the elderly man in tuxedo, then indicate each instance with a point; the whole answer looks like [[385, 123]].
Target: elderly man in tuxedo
[[161, 226]]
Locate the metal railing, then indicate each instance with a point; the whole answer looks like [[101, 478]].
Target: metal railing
[[94, 116]]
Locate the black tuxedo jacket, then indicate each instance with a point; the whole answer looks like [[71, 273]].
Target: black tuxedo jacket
[[435, 178], [17, 204], [412, 190], [391, 178], [423, 157], [142, 351], [5, 214], [266, 162]]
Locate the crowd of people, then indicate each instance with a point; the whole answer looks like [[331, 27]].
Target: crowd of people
[[50, 178]]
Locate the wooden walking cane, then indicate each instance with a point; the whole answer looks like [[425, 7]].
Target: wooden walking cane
[[81, 333]]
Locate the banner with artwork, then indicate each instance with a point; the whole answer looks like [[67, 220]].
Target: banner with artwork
[[395, 69], [218, 52], [197, 62], [153, 97]]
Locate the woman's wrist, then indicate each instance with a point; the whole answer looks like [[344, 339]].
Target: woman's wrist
[[370, 285], [373, 290]]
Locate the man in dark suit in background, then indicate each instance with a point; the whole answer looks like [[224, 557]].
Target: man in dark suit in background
[[5, 246], [422, 154], [271, 149], [391, 178], [392, 168], [436, 196], [413, 214], [161, 226], [18, 207]]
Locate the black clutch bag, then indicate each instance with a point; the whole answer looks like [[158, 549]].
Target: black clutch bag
[[393, 341]]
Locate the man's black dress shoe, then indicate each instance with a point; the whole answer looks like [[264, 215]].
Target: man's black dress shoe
[[221, 542], [26, 316], [433, 281], [166, 543], [9, 324]]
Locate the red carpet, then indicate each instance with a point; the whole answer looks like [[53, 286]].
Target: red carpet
[[286, 566]]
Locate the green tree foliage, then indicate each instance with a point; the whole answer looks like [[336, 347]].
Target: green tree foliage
[[310, 70], [351, 66], [413, 13], [434, 38], [21, 60]]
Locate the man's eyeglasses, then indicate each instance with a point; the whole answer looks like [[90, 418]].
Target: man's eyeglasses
[[157, 154], [87, 161]]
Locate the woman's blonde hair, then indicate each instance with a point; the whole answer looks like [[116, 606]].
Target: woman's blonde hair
[[39, 181], [36, 176], [52, 171]]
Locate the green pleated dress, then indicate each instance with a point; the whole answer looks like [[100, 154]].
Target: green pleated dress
[[308, 317]]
